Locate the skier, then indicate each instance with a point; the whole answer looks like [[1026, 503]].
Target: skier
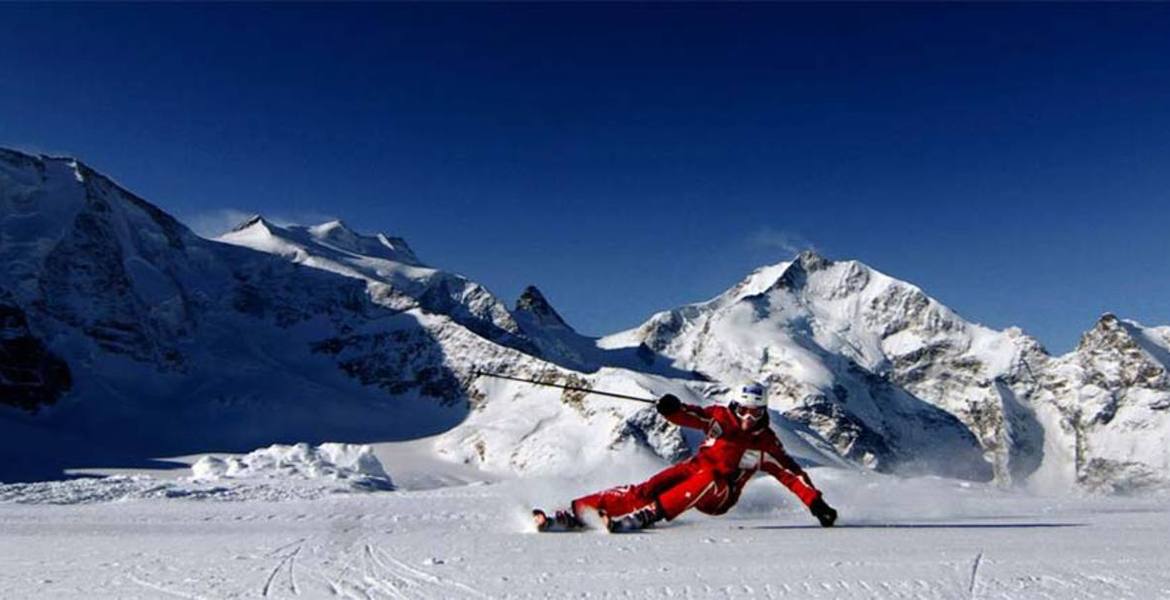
[[739, 443]]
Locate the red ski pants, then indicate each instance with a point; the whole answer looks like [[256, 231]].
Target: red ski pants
[[675, 489]]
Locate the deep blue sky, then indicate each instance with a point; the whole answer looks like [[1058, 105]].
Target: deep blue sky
[[1014, 161]]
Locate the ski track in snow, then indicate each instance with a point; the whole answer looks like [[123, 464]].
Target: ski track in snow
[[289, 559], [974, 574], [464, 542], [164, 590]]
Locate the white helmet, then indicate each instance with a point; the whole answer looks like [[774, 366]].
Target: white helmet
[[753, 394]]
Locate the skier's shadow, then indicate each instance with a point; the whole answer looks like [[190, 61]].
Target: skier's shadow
[[924, 526]]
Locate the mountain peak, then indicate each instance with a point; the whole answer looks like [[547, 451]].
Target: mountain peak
[[532, 302], [811, 261], [21, 159], [796, 274], [337, 234], [402, 251], [251, 221], [1108, 332], [334, 226], [1108, 323]]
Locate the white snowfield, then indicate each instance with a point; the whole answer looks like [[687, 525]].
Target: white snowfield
[[458, 535]]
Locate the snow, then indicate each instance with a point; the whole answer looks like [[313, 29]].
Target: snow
[[897, 538], [354, 463], [278, 472], [358, 340], [394, 276], [1154, 340], [878, 369], [179, 345], [839, 343]]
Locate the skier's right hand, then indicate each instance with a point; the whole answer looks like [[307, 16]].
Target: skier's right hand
[[668, 404]]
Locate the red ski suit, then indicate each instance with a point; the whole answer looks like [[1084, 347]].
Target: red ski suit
[[710, 481]]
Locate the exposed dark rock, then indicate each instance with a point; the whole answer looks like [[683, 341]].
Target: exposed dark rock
[[31, 377], [532, 302]]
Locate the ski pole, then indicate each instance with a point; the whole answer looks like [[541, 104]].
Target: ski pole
[[571, 388]]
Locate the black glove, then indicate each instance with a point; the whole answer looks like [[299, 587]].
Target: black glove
[[668, 404], [823, 512]]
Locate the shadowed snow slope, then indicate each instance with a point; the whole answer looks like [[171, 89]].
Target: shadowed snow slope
[[157, 342], [127, 337]]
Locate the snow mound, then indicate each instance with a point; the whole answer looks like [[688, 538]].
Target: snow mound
[[354, 463], [273, 474]]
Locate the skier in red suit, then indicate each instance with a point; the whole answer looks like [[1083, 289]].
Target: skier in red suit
[[739, 444]]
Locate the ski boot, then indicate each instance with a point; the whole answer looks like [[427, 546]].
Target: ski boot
[[824, 513], [639, 519], [562, 520]]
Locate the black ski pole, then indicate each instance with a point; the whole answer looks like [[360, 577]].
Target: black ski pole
[[571, 388]]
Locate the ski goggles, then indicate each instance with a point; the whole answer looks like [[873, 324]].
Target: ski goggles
[[750, 413]]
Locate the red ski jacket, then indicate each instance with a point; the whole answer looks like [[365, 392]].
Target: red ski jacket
[[736, 455]]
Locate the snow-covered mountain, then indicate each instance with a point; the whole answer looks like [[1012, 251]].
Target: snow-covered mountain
[[853, 355], [123, 336], [894, 379], [1106, 409], [126, 336], [394, 276], [147, 335]]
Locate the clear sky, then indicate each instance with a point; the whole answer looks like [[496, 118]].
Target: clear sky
[[1013, 161]]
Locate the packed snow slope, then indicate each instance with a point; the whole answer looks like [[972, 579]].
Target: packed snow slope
[[274, 539], [125, 337]]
